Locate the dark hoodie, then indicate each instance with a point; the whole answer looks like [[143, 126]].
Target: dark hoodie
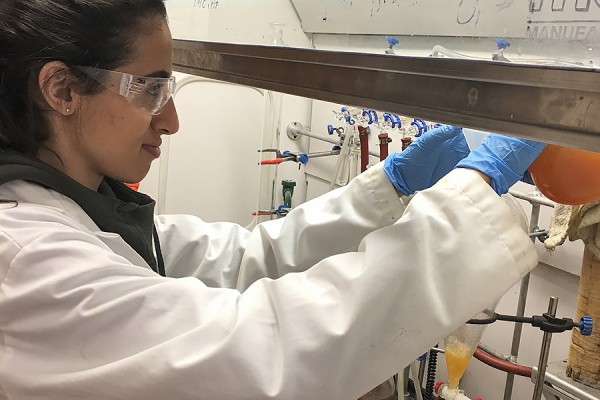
[[114, 207]]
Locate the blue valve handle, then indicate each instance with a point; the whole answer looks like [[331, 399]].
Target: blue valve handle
[[388, 117], [330, 129], [502, 43], [392, 40], [303, 158], [347, 116], [372, 114], [393, 119], [586, 325], [281, 211], [421, 126]]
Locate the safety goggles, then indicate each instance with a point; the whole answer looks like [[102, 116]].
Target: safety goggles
[[146, 92]]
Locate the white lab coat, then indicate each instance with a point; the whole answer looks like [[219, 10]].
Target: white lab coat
[[374, 285]]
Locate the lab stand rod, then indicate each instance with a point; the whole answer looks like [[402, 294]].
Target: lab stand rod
[[405, 377], [422, 365], [494, 353], [415, 372], [523, 290], [553, 104], [533, 199], [323, 154], [545, 351], [551, 392], [294, 130]]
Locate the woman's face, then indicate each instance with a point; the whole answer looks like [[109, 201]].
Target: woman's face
[[117, 138]]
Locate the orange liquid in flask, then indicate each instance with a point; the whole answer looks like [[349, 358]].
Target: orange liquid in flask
[[458, 356]]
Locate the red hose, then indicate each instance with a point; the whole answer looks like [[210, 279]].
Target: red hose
[[502, 365]]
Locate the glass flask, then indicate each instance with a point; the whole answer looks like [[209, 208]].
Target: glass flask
[[567, 175], [459, 347]]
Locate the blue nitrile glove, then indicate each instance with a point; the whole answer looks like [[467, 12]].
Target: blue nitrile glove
[[504, 159], [427, 159]]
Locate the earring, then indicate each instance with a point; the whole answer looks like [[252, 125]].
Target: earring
[[68, 111]]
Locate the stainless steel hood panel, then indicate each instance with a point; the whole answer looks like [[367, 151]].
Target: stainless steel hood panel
[[552, 104]]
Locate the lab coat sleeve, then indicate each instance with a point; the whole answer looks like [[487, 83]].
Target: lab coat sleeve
[[80, 322], [227, 255]]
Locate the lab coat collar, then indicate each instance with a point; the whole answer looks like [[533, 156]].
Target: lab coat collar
[[114, 207]]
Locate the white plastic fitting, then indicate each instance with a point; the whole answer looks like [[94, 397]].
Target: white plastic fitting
[[442, 390]]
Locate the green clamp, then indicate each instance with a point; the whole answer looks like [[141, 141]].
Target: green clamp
[[288, 192]]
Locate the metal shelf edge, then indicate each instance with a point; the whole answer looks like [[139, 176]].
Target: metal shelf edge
[[551, 104]]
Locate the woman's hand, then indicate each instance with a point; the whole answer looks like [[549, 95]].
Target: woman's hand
[[503, 159], [427, 159]]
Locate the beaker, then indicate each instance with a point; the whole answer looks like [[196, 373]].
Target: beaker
[[460, 345]]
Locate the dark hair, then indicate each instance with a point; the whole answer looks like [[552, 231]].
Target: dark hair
[[98, 33]]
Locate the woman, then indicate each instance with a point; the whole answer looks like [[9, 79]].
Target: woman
[[379, 273]]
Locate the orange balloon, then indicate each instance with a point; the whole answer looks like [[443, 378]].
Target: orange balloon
[[567, 175]]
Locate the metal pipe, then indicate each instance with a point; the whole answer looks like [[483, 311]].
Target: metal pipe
[[565, 385], [502, 365], [545, 351], [533, 199], [494, 352], [510, 377], [518, 329], [323, 154], [405, 378], [294, 130], [422, 365]]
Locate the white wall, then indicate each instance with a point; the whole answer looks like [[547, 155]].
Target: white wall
[[210, 168], [235, 21], [463, 18], [207, 168]]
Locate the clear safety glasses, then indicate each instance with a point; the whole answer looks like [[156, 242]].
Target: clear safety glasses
[[146, 92]]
